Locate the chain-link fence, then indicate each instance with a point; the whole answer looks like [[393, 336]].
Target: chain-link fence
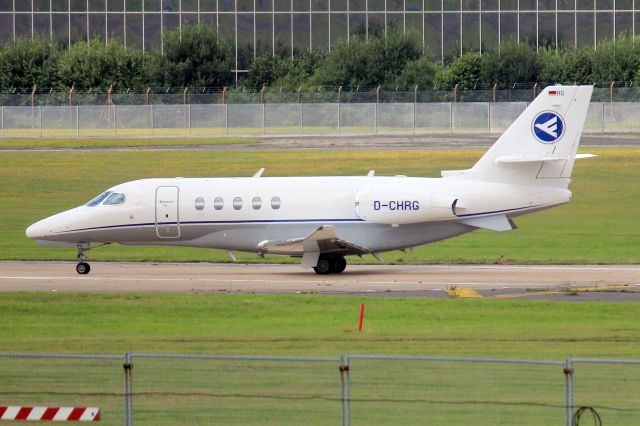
[[290, 119], [175, 389], [613, 92]]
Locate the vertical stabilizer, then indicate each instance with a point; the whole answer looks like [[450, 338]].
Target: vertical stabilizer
[[539, 147]]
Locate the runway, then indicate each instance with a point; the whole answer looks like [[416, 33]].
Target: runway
[[588, 282]]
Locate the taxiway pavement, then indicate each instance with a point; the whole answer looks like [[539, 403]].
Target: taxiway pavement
[[581, 282]]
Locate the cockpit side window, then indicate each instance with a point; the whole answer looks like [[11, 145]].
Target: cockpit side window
[[100, 198], [114, 199]]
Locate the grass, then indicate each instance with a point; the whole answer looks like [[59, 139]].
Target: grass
[[315, 325], [191, 391], [119, 142], [596, 227]]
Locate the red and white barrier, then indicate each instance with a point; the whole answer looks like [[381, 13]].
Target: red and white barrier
[[55, 414]]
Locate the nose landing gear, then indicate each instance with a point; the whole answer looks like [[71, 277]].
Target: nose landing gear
[[330, 265], [82, 268]]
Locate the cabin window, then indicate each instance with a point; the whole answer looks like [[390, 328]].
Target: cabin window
[[237, 203], [218, 203], [199, 203], [100, 198], [114, 199], [256, 203], [275, 203]]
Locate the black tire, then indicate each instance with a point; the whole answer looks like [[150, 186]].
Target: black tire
[[338, 264], [323, 267], [83, 268]]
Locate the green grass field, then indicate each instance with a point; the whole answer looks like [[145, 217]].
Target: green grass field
[[315, 325], [191, 391], [598, 226], [116, 142]]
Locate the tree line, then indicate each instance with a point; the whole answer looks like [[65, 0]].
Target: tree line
[[199, 58]]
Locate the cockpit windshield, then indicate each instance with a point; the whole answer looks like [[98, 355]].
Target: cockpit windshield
[[107, 198], [114, 199], [100, 198]]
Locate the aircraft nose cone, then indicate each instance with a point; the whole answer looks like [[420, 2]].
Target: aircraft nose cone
[[38, 230]]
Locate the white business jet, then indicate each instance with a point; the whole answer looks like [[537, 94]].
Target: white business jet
[[323, 219]]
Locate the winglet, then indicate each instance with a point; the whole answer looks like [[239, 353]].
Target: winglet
[[259, 173]]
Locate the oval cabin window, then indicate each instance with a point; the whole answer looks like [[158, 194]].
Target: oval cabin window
[[199, 203], [237, 203], [256, 203], [275, 203], [218, 203]]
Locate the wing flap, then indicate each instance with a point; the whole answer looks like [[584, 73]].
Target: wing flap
[[496, 223], [322, 240]]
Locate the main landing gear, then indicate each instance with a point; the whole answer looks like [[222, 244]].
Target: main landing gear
[[330, 265], [83, 268]]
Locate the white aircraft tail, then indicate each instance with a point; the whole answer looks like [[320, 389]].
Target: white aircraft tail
[[539, 148]]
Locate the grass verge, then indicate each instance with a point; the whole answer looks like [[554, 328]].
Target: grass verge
[[122, 142], [315, 325]]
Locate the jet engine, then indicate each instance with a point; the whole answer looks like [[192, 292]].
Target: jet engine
[[398, 206]]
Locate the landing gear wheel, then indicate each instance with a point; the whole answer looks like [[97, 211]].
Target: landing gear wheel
[[83, 268], [323, 266], [338, 264]]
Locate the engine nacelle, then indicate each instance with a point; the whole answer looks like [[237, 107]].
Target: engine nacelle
[[398, 206]]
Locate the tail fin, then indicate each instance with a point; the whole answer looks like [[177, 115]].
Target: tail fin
[[539, 148]]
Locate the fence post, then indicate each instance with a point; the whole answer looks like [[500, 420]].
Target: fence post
[[40, 113], [226, 118], [602, 130], [189, 117], [301, 114], [568, 392], [450, 117], [489, 117], [77, 121], [153, 124], [339, 101], [2, 119], [415, 101], [128, 398], [342, 405], [348, 415], [113, 107], [375, 115], [264, 130]]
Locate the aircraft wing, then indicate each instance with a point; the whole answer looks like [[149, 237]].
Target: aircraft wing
[[322, 240]]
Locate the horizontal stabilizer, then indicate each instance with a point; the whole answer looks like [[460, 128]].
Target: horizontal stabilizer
[[511, 159], [578, 156], [495, 223]]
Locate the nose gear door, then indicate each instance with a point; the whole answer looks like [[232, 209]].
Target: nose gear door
[[167, 220]]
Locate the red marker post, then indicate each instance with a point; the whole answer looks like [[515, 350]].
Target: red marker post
[[361, 318]]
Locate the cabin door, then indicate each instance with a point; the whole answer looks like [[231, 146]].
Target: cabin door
[[167, 220]]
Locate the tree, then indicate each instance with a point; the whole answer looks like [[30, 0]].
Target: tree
[[197, 58], [99, 65], [367, 63], [515, 63], [26, 63], [464, 71], [421, 72]]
